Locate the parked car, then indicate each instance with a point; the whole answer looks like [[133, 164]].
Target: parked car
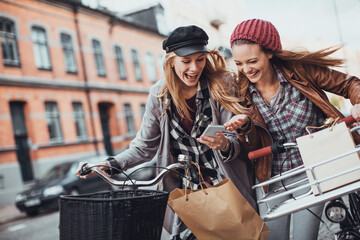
[[142, 172], [59, 180]]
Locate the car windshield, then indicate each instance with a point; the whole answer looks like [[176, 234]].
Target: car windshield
[[57, 172], [72, 169]]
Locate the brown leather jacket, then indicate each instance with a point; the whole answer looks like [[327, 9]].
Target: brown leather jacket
[[311, 81]]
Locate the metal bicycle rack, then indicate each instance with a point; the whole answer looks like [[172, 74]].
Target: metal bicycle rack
[[308, 199]]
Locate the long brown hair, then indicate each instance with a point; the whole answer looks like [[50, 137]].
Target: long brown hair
[[221, 83], [292, 59]]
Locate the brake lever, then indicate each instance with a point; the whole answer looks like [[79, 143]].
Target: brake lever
[[84, 170]]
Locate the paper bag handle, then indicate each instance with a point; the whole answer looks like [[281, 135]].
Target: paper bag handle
[[201, 177], [330, 122]]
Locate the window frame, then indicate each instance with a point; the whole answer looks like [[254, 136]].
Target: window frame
[[142, 109], [41, 48], [120, 62], [99, 58], [52, 116], [151, 66], [161, 63], [9, 45], [129, 117], [136, 64], [79, 120], [69, 53]]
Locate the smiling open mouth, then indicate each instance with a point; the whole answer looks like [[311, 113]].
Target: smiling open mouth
[[190, 75], [253, 74]]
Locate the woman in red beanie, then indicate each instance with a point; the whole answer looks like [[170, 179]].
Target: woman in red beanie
[[284, 93]]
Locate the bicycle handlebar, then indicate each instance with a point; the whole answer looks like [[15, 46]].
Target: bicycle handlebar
[[276, 147], [348, 120], [279, 147], [260, 153], [88, 167], [91, 167]]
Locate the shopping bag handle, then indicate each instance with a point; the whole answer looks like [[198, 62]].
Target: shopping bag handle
[[201, 183]]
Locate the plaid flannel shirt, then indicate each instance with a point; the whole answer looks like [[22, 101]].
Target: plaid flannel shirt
[[286, 117], [183, 143]]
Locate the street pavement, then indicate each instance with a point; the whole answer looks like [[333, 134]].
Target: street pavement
[[11, 213]]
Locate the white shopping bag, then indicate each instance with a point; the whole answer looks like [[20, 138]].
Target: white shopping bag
[[325, 144]]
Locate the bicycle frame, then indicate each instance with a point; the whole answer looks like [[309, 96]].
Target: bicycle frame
[[308, 199]]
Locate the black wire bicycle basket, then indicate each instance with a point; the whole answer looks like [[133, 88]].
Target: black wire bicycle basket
[[125, 215]]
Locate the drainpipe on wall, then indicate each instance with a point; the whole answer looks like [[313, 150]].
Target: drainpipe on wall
[[87, 89]]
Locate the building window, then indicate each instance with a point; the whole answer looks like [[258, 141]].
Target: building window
[[79, 118], [150, 66], [41, 49], [161, 63], [69, 55], [53, 122], [143, 108], [129, 119], [9, 48], [99, 58], [120, 62], [135, 59]]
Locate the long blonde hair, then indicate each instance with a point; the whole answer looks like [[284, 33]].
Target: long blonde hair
[[221, 83], [291, 60]]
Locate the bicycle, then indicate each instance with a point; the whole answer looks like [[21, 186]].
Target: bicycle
[[123, 214], [336, 210]]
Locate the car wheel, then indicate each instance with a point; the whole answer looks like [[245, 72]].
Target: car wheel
[[74, 192], [32, 213]]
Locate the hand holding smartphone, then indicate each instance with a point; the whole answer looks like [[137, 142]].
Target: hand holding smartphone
[[212, 129]]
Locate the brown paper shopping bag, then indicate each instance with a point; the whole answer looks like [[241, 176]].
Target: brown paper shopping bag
[[218, 212], [323, 145]]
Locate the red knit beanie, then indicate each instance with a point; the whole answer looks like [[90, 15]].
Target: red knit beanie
[[259, 31]]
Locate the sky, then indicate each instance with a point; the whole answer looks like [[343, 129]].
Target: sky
[[294, 19], [311, 18]]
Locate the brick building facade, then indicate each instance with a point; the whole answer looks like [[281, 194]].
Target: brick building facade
[[73, 85]]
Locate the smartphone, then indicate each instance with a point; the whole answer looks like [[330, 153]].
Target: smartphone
[[212, 129]]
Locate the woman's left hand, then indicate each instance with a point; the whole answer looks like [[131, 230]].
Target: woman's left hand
[[217, 143], [355, 112], [236, 122]]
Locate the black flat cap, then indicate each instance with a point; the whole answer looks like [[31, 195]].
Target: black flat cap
[[186, 40]]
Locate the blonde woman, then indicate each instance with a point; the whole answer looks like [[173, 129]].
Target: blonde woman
[[196, 91]]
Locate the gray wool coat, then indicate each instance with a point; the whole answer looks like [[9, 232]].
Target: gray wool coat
[[153, 140]]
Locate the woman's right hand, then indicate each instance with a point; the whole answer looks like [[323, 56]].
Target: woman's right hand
[[355, 112], [236, 122], [102, 167]]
